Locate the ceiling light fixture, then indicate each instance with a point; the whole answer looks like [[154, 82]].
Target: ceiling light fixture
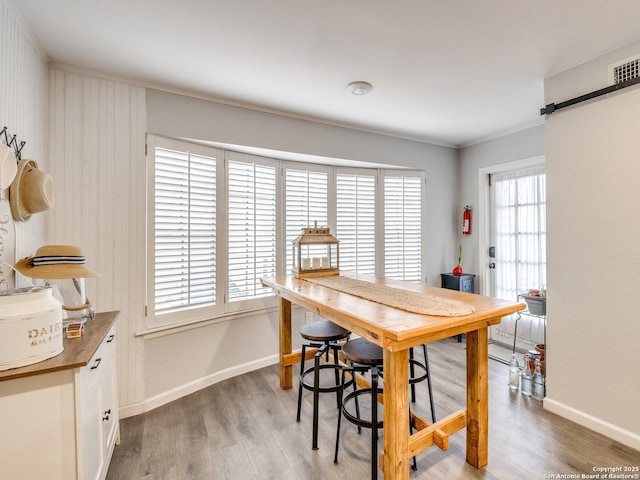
[[359, 88]]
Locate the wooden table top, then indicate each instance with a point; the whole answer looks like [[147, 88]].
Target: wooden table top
[[77, 351], [391, 327]]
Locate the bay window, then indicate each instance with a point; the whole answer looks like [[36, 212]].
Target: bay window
[[220, 220]]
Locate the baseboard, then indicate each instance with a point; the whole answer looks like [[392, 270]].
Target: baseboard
[[614, 432], [191, 387], [131, 410]]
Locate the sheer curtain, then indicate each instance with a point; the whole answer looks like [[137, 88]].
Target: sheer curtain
[[520, 241], [520, 232]]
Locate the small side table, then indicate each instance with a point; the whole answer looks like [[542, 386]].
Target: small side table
[[462, 283]]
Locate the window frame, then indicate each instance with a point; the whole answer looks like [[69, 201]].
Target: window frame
[[187, 314]]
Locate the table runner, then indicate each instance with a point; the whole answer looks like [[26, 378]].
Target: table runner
[[407, 300]]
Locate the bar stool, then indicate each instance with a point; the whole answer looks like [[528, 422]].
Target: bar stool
[[324, 336], [364, 357], [423, 374]]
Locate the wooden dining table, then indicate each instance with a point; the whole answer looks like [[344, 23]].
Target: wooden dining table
[[396, 331]]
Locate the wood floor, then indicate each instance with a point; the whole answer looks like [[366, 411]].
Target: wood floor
[[244, 428]]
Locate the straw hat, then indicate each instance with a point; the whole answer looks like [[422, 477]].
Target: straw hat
[[54, 262], [31, 191], [8, 166]]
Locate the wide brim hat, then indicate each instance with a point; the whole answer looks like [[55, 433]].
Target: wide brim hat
[[8, 166], [31, 191], [55, 262]]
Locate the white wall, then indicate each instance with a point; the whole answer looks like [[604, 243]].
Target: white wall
[[23, 109], [593, 258], [96, 149]]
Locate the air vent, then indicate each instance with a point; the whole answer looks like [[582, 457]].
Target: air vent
[[628, 69]]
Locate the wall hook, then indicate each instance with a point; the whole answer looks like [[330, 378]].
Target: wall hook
[[13, 143]]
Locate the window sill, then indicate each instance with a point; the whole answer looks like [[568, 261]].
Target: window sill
[[157, 332]]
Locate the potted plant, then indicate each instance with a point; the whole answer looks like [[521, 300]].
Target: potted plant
[[457, 270]]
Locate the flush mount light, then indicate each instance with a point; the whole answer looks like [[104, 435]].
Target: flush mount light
[[359, 88]]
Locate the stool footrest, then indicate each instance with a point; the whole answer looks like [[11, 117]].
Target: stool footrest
[[421, 366], [357, 420], [329, 388]]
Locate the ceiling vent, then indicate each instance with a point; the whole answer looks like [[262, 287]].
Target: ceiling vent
[[628, 69]]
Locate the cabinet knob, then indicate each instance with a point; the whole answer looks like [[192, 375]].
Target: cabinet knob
[[111, 337], [98, 360]]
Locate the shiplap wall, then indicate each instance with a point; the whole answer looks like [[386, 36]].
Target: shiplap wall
[[23, 109], [96, 147]]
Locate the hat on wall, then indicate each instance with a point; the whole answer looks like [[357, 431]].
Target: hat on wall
[[8, 166], [55, 262], [31, 191]]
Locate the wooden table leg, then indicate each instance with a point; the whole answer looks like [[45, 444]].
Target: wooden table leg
[[286, 371], [396, 415], [477, 398]]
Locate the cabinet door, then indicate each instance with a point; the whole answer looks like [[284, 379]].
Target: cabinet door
[[466, 284], [91, 435], [109, 403], [97, 386]]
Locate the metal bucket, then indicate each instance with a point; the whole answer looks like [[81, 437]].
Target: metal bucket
[[30, 326]]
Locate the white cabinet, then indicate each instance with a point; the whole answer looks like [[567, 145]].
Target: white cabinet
[[98, 410], [60, 417]]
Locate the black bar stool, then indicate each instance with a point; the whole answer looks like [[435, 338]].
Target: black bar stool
[[423, 374], [364, 357], [324, 336]]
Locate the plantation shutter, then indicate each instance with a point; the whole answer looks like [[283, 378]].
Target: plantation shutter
[[185, 230], [403, 227], [356, 221], [306, 203], [252, 226]]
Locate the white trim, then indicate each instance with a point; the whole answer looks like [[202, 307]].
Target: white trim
[[204, 382], [131, 410], [615, 432]]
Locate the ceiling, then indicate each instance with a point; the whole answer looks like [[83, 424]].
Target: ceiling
[[451, 72]]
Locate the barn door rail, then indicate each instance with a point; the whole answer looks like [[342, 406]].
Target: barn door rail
[[552, 107]]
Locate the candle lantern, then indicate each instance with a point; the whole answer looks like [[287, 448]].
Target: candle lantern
[[315, 253]]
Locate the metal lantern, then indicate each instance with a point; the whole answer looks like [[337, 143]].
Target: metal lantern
[[315, 253]]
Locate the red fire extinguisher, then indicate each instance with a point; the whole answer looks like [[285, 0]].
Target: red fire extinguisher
[[466, 221]]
